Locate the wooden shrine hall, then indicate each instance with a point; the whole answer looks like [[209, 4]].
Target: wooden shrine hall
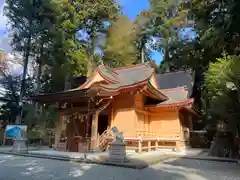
[[152, 111]]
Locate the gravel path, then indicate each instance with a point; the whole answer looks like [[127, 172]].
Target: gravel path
[[26, 168]]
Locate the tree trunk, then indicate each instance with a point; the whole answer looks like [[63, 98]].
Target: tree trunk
[[67, 83], [89, 68], [223, 145], [50, 140], [22, 91], [39, 71], [166, 59], [142, 54], [90, 65], [25, 68]]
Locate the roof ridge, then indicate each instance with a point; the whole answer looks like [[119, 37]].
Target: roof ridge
[[131, 66], [174, 89], [172, 72], [111, 69], [173, 104], [105, 76], [181, 103]]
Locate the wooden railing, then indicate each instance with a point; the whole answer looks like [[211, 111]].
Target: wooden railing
[[103, 139], [143, 141], [145, 133], [150, 141]]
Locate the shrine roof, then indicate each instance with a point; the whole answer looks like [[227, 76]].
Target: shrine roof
[[127, 76], [70, 94], [108, 73], [174, 87], [176, 79], [177, 97]]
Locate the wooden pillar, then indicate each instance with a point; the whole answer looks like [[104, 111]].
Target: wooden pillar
[[190, 122], [94, 131], [58, 130], [156, 145], [181, 121], [180, 145], [139, 146], [149, 145], [110, 116], [139, 143]]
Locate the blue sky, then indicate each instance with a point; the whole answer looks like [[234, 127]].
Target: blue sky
[[130, 8]]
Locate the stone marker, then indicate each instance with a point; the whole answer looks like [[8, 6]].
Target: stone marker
[[117, 152], [20, 143]]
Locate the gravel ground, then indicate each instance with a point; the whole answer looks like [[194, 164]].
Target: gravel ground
[[27, 168]]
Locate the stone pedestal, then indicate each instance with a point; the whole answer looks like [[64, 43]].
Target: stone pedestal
[[19, 145], [117, 152]]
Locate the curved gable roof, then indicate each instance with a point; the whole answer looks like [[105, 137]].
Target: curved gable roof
[[176, 79]]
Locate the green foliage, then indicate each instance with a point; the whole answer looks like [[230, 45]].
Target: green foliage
[[166, 25], [22, 17], [217, 31], [144, 30], [12, 86], [41, 124], [67, 50], [120, 48], [216, 26], [47, 31], [71, 53], [224, 102], [46, 116]]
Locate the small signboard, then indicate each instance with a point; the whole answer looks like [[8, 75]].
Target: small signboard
[[15, 132]]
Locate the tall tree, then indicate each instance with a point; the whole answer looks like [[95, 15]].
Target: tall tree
[[46, 19], [120, 47], [79, 26], [216, 31], [22, 16], [12, 87], [3, 61], [144, 29], [223, 94], [101, 14], [215, 25], [166, 25]]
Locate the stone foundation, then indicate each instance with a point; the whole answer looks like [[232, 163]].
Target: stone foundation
[[117, 152], [19, 145]]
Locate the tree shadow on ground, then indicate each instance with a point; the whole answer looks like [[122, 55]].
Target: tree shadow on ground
[[204, 164], [16, 167], [204, 169]]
